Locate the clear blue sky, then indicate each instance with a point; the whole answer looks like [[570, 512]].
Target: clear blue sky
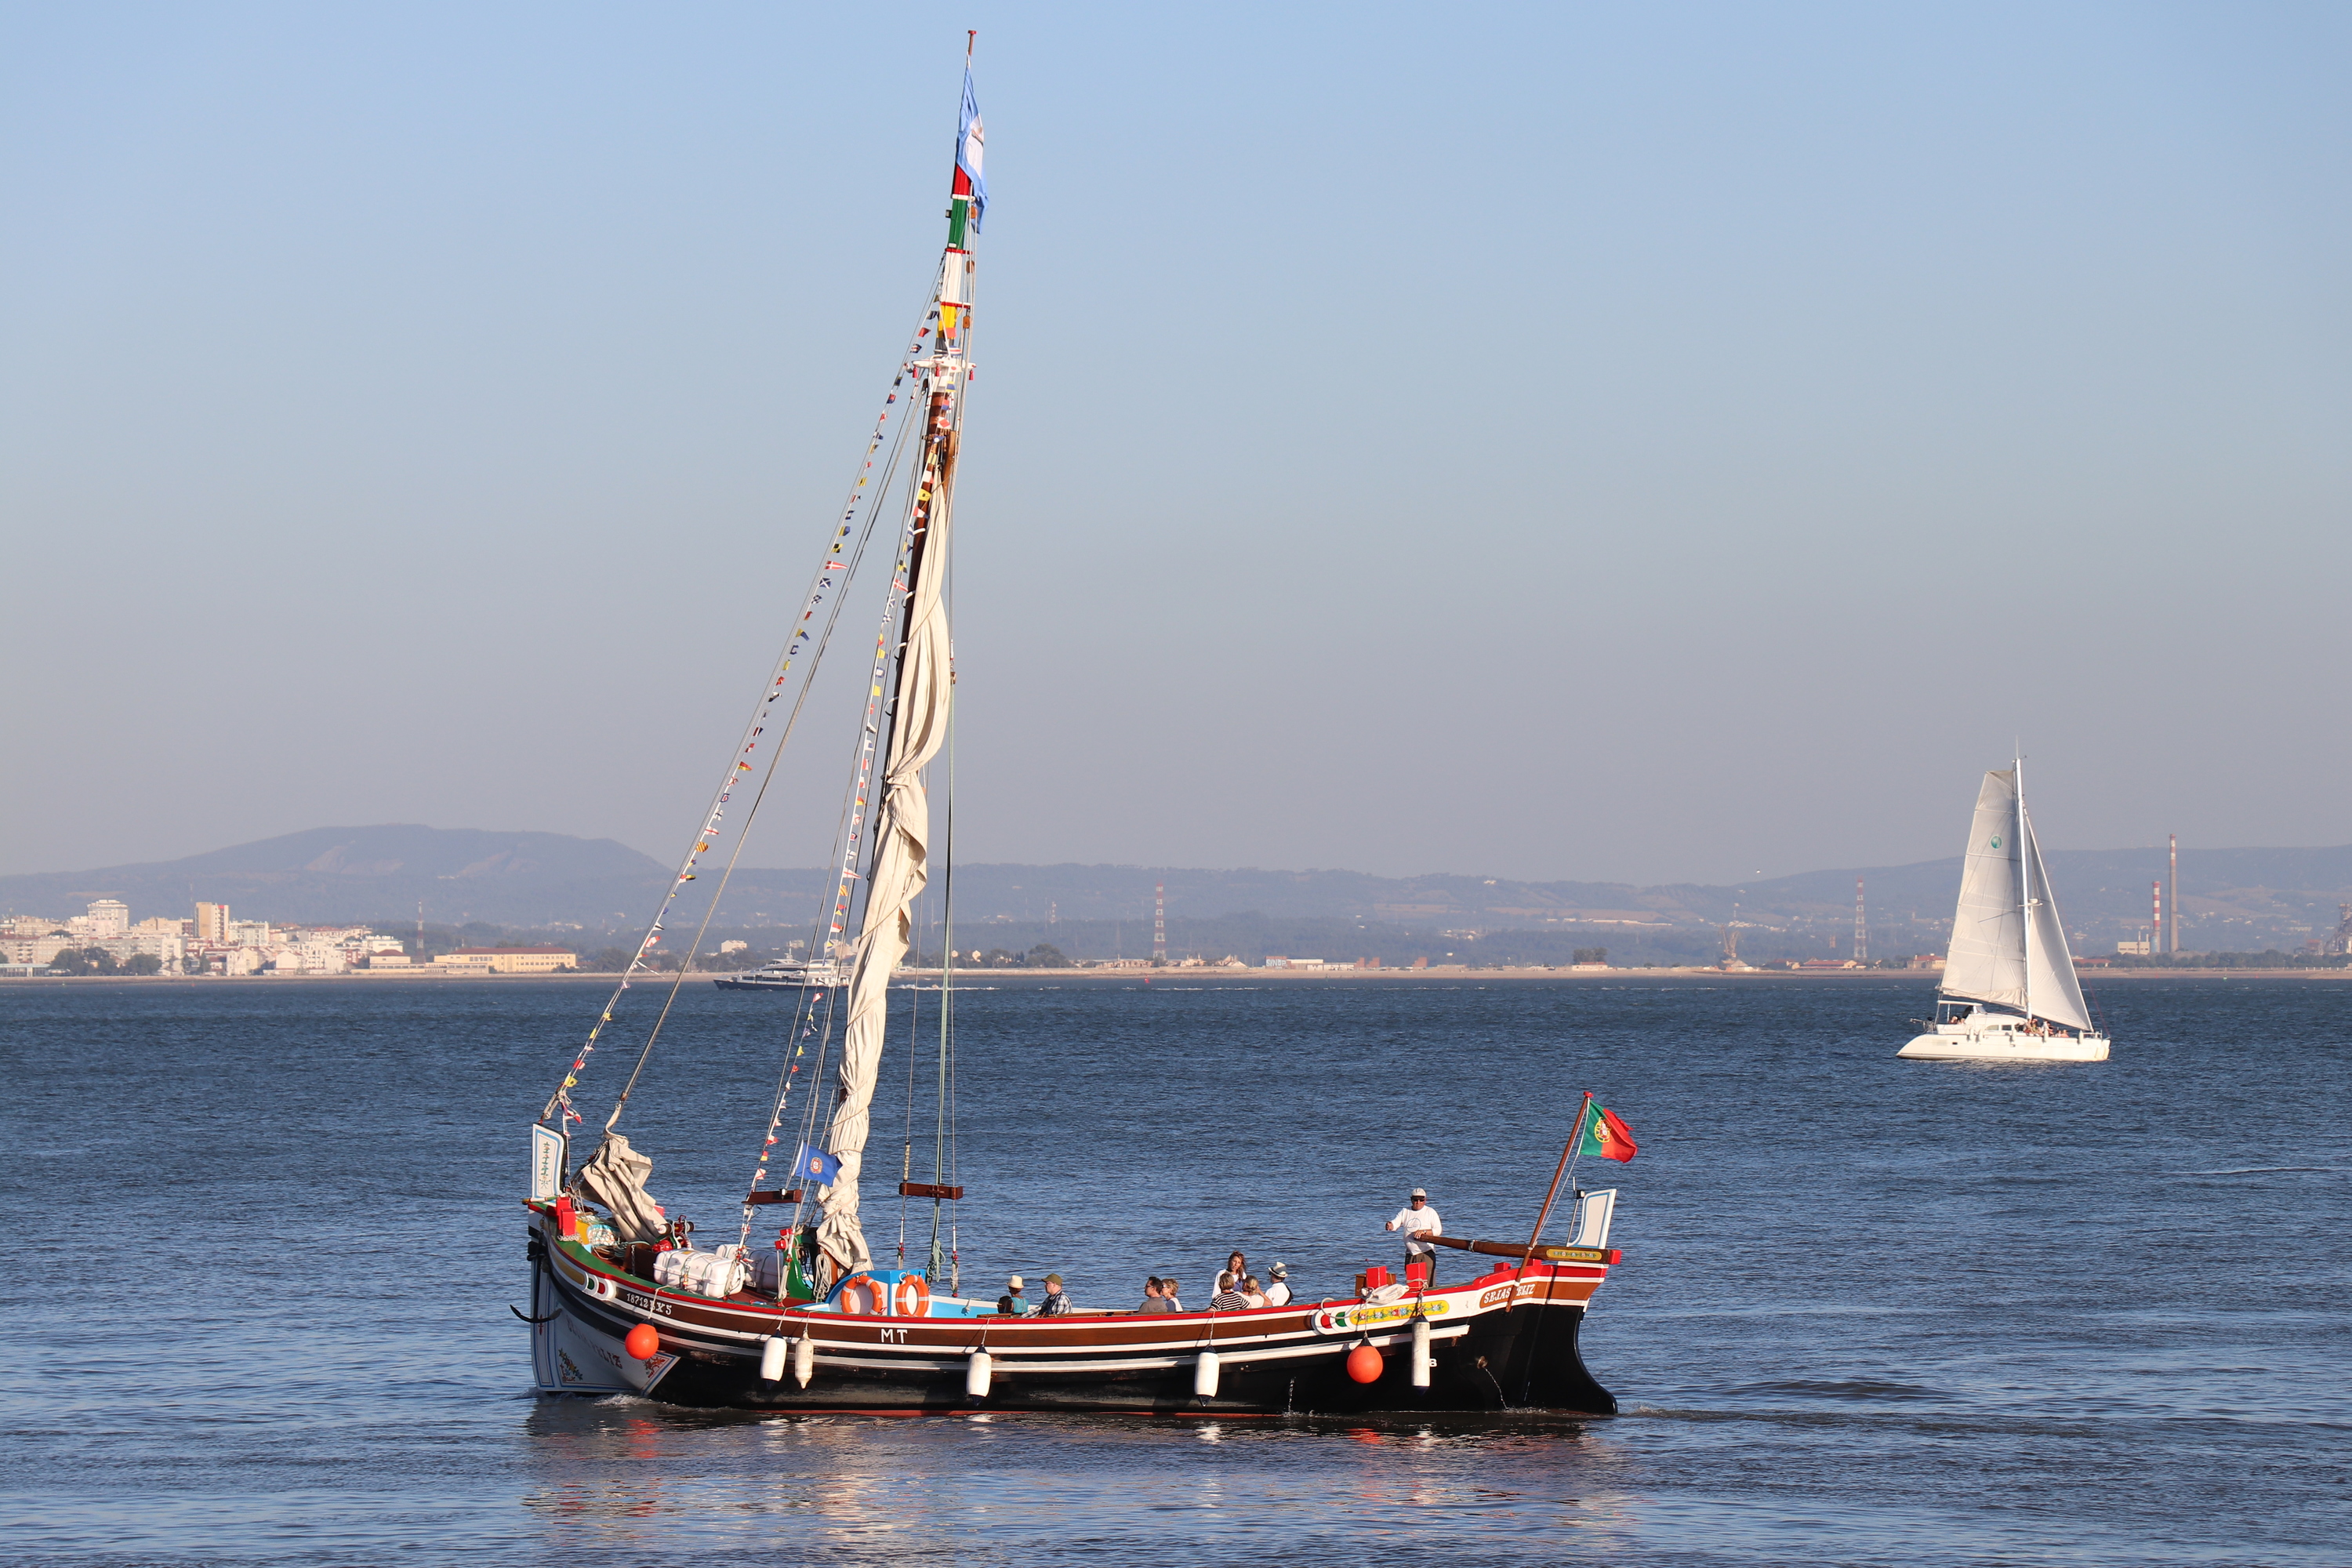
[[1649, 442]]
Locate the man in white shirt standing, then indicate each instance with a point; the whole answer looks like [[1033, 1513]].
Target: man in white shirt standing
[[1417, 1219]]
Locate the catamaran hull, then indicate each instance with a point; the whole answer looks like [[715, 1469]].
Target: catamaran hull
[[1493, 1345], [2005, 1045]]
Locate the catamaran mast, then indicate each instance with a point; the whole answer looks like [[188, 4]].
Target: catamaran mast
[[2024, 887]]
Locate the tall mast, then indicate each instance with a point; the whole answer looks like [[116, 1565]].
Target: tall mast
[[921, 690], [2024, 887]]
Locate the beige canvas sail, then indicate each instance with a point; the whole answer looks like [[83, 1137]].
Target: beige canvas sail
[[901, 869]]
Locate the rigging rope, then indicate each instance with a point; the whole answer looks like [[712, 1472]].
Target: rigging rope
[[821, 586], [848, 828]]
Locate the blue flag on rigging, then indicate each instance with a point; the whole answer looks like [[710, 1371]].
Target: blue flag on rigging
[[815, 1166], [969, 140]]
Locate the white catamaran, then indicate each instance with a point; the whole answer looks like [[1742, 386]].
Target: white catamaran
[[2010, 992]]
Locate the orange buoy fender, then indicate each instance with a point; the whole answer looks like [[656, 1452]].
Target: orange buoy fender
[[644, 1342], [1364, 1364], [912, 1299]]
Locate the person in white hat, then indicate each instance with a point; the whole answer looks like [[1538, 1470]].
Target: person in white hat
[[1417, 1219], [1277, 1286], [1011, 1303]]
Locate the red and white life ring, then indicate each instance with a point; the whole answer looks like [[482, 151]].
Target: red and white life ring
[[912, 1299], [861, 1297]]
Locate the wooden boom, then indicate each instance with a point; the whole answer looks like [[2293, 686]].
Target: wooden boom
[[1521, 1249]]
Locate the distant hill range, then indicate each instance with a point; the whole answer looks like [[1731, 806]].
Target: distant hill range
[[2232, 898], [351, 874]]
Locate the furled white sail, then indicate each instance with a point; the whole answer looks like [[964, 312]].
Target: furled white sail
[[900, 869], [1986, 959], [2051, 981]]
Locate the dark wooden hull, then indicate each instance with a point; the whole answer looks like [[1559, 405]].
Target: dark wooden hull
[[1525, 1360], [1499, 1343]]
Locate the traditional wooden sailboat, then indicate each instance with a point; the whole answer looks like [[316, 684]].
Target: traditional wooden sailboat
[[2010, 992], [623, 1299]]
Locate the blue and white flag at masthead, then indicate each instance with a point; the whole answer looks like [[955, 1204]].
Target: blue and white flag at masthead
[[970, 139]]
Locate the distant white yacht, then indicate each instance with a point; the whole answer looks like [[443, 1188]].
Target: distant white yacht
[[2010, 992], [785, 974]]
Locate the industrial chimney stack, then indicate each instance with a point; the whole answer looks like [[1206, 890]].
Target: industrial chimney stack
[[2172, 896]]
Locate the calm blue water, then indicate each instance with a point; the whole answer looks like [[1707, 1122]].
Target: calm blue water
[[1870, 1310]]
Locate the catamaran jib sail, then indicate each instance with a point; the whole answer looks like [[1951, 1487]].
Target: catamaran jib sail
[[2008, 946]]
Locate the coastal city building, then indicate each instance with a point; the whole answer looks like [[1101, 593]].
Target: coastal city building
[[211, 943], [108, 918], [508, 960]]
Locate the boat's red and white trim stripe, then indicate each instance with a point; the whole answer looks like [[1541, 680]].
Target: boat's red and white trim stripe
[[611, 1302]]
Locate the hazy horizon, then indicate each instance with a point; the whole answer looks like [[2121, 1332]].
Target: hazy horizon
[[663, 862], [1683, 444]]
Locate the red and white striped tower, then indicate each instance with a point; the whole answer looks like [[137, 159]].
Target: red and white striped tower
[[2156, 917], [1158, 923], [1861, 926]]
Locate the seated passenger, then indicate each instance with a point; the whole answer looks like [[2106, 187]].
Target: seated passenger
[[1168, 1294], [1277, 1289], [1012, 1303], [1253, 1294], [1228, 1298], [1153, 1302], [1055, 1304]]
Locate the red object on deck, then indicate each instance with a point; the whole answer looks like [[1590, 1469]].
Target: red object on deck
[[644, 1342], [1416, 1273], [1364, 1364], [1378, 1278], [567, 1218]]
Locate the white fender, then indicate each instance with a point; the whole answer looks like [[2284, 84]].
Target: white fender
[[976, 1374], [1420, 1353], [803, 1359], [1204, 1376], [771, 1360]]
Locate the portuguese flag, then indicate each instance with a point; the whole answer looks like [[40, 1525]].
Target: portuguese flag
[[1604, 1134]]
